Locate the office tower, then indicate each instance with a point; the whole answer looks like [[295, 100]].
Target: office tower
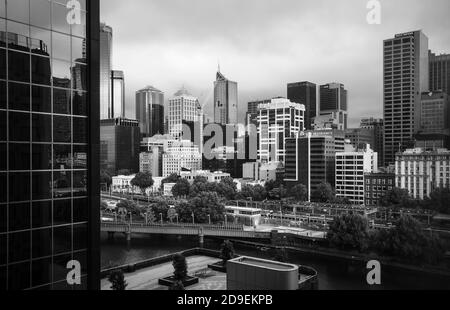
[[421, 172], [119, 145], [278, 120], [117, 94], [106, 110], [351, 168], [376, 187], [406, 76], [434, 128], [181, 155], [225, 100], [440, 72], [304, 93], [183, 107], [253, 112], [333, 102], [150, 111], [360, 137], [377, 126], [49, 140], [310, 158]]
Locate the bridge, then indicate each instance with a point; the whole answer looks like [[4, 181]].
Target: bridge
[[224, 231]]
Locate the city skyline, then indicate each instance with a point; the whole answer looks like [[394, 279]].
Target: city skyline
[[196, 42]]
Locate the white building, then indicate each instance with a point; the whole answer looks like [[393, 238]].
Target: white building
[[250, 171], [278, 120], [269, 171], [161, 141], [213, 177], [183, 107], [182, 155], [421, 172], [151, 162], [122, 184], [351, 166]]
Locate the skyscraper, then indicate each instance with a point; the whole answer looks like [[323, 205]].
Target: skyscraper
[[377, 126], [440, 72], [106, 110], [278, 120], [406, 76], [304, 93], [150, 111], [225, 100], [49, 143], [333, 101], [117, 94], [183, 107]]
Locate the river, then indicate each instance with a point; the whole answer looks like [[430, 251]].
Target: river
[[334, 274]]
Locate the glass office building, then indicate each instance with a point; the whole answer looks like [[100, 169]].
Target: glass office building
[[49, 141]]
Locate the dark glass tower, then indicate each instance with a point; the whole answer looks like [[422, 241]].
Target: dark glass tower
[[150, 111], [49, 142], [304, 93]]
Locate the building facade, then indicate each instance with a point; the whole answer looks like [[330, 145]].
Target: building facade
[[49, 143], [421, 172], [119, 145], [106, 37], [333, 101], [360, 137], [376, 187], [278, 120], [377, 126], [182, 155], [183, 107], [406, 76], [351, 168], [440, 73], [225, 100], [150, 111], [304, 93], [117, 94], [212, 177]]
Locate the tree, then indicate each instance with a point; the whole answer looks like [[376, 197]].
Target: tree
[[143, 180], [439, 201], [278, 193], [407, 240], [199, 185], [150, 217], [256, 193], [180, 267], [173, 178], [349, 232], [323, 193], [271, 184], [171, 214], [227, 188], [299, 192], [117, 280], [181, 188], [396, 197], [161, 207], [105, 178], [177, 286], [207, 203], [226, 251], [125, 172], [129, 206]]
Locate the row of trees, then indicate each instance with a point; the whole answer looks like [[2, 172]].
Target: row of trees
[[407, 240]]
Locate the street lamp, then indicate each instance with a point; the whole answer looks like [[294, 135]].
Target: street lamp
[[209, 218], [193, 219], [131, 218], [161, 218]]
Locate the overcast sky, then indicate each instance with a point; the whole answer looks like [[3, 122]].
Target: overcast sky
[[264, 44]]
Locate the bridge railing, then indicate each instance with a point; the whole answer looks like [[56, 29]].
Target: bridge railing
[[174, 225]]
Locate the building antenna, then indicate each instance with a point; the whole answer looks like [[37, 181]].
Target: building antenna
[[218, 66]]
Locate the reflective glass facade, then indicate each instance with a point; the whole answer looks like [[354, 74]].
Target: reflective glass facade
[[47, 135]]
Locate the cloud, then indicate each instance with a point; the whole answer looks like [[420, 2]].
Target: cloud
[[264, 44]]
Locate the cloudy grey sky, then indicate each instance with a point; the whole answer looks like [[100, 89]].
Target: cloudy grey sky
[[264, 44]]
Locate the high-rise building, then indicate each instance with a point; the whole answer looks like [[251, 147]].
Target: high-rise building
[[360, 137], [377, 126], [440, 73], [119, 145], [150, 111], [406, 76], [117, 94], [49, 142], [225, 100], [278, 120], [182, 155], [306, 94], [351, 169], [183, 107], [310, 158], [333, 101], [106, 35], [421, 172]]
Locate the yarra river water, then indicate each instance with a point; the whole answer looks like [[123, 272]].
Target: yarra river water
[[334, 274]]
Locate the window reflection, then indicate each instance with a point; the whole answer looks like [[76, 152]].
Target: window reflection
[[18, 37], [42, 182], [19, 96], [60, 263], [80, 30], [19, 216], [79, 237], [42, 128], [40, 13], [2, 126], [79, 156], [19, 10], [79, 100], [61, 101], [41, 70], [62, 184], [3, 157], [61, 74], [19, 186], [41, 156], [78, 50], [40, 41], [80, 210], [19, 66], [62, 157], [62, 212], [20, 247], [62, 241], [41, 99], [2, 8], [59, 18], [42, 242], [19, 156], [79, 183], [41, 271], [41, 213], [21, 280], [79, 130], [19, 126], [62, 129], [2, 63], [61, 46], [79, 76]]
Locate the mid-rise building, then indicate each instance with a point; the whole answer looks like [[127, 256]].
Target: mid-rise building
[[376, 187], [377, 126], [225, 100], [119, 145], [306, 94], [406, 76], [278, 120], [106, 37], [49, 183], [253, 111], [117, 94], [360, 137], [421, 172], [151, 162], [212, 177], [440, 73], [150, 111], [351, 169], [183, 107], [182, 155], [334, 102], [310, 158], [250, 171]]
